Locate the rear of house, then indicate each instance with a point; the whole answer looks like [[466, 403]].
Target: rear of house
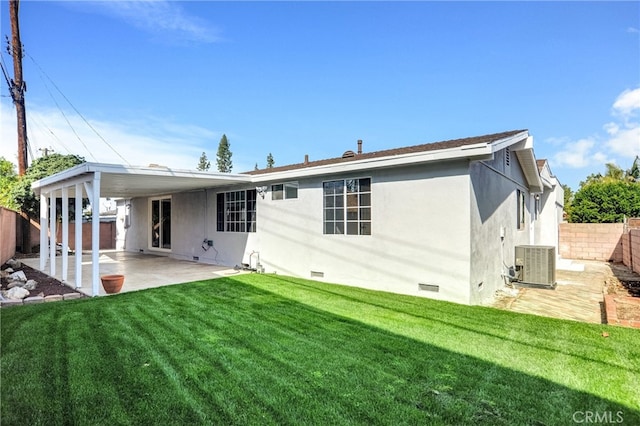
[[437, 220]]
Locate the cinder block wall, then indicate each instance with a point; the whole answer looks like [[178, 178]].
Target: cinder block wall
[[8, 220], [634, 236], [626, 249], [591, 241]]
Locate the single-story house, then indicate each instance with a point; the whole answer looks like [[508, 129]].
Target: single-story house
[[438, 220]]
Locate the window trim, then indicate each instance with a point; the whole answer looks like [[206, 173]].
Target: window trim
[[150, 246], [340, 207], [247, 219], [521, 218], [283, 190]]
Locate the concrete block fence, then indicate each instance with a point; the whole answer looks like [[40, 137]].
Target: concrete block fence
[[609, 242], [591, 241]]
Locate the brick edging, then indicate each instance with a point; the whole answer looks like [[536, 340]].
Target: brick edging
[[612, 313], [39, 299]]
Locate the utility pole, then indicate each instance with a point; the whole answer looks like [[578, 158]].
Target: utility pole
[[18, 86]]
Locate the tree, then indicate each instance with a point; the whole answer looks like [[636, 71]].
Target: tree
[[568, 198], [223, 159], [8, 178], [270, 161], [21, 192], [606, 201], [613, 172], [204, 164], [633, 174]]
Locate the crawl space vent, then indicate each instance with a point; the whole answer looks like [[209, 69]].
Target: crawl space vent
[[429, 287], [316, 274]]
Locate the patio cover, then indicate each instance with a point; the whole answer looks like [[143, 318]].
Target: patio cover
[[95, 180]]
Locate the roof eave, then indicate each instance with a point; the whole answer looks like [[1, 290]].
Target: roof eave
[[482, 151]]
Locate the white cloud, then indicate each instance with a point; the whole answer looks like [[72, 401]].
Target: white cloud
[[627, 102], [626, 142], [620, 144], [578, 154], [141, 142], [633, 30], [161, 17]]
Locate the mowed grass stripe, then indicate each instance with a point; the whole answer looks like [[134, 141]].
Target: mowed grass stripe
[[275, 350]]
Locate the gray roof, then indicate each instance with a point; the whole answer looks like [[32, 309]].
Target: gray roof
[[434, 146]]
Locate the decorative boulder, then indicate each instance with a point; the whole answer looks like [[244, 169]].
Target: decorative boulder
[[15, 264], [18, 276], [30, 285], [13, 284], [17, 293]]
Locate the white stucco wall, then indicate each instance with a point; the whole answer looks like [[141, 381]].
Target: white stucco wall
[[494, 230], [435, 224], [420, 233]]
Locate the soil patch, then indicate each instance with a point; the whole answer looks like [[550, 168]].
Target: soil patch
[[625, 286], [47, 285]]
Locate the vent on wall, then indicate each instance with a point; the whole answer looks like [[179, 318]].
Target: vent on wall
[[429, 287], [317, 274], [536, 265]]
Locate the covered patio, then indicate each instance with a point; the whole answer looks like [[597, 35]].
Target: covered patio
[[92, 181], [141, 270]]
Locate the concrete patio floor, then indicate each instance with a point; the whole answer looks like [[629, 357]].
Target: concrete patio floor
[[141, 270], [579, 295]]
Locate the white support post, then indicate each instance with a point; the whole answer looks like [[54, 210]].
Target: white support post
[[78, 242], [52, 234], [43, 230], [65, 234], [95, 234]]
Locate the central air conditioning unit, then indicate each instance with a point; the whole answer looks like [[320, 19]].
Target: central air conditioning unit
[[536, 265]]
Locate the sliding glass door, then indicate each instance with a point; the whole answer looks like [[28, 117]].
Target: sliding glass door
[[160, 221]]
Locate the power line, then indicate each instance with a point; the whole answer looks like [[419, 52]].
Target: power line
[[77, 112]]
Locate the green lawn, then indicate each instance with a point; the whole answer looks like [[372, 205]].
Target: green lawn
[[265, 349]]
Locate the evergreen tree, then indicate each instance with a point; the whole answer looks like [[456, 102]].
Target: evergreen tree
[[223, 160], [270, 161], [204, 164], [256, 167]]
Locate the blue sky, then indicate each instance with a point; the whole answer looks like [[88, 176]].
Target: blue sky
[[162, 81]]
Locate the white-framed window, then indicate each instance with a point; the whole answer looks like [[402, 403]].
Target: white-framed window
[[236, 211], [347, 206], [521, 209], [160, 223], [284, 191]]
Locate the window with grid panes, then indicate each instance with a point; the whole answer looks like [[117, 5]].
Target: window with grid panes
[[237, 211], [347, 206]]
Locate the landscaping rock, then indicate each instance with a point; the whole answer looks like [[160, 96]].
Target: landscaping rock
[[13, 284], [15, 264], [30, 285], [16, 293], [18, 276], [5, 273]]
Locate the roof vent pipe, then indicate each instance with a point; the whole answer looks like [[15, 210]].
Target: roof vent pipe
[[359, 146], [306, 159]]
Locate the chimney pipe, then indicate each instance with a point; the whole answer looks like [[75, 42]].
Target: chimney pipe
[[359, 146], [306, 159]]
